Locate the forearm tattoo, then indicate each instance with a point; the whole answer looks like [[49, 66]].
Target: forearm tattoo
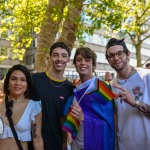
[[145, 108], [34, 127]]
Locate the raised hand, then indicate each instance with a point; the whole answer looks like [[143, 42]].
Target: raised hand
[[125, 95]]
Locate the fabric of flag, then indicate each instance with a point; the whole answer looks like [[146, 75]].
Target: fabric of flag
[[103, 92], [97, 92], [71, 125]]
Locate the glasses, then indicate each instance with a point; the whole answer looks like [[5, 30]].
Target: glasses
[[119, 54]]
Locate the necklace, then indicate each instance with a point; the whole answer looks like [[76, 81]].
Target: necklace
[[17, 100], [57, 86], [121, 83]]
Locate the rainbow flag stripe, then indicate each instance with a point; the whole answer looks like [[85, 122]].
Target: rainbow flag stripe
[[71, 125], [99, 91], [105, 91]]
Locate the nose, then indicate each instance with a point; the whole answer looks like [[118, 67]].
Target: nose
[[59, 57], [17, 82], [116, 57], [83, 61]]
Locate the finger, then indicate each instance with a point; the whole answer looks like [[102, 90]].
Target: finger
[[119, 87]]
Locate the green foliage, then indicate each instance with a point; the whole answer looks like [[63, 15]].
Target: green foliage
[[22, 17]]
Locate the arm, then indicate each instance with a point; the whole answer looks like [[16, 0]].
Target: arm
[[36, 132], [145, 108], [128, 98]]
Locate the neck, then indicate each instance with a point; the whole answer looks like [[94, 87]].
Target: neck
[[56, 75], [126, 72], [85, 78], [17, 99]]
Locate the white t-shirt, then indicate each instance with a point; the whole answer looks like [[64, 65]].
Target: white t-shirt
[[133, 127]]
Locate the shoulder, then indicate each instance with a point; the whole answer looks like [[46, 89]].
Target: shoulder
[[34, 104], [38, 74], [69, 83], [143, 73]]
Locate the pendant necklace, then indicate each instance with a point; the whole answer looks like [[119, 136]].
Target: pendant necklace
[[57, 86], [121, 83]]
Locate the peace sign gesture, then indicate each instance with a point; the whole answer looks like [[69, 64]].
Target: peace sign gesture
[[125, 95]]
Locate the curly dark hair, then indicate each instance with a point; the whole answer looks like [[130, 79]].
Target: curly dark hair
[[62, 45]]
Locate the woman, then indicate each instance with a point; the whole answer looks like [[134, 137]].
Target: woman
[[19, 110]]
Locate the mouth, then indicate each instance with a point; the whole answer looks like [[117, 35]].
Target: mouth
[[82, 68]]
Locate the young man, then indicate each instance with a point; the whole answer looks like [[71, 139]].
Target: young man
[[90, 107], [108, 77], [53, 90], [133, 103]]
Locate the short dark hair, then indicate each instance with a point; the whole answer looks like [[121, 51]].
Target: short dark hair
[[148, 64], [27, 75], [86, 53], [113, 42], [62, 45]]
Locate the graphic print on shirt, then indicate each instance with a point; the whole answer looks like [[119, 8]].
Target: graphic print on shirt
[[137, 92]]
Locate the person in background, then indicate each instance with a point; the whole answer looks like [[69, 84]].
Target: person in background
[[147, 66], [94, 114], [20, 111], [108, 77], [53, 89], [132, 86]]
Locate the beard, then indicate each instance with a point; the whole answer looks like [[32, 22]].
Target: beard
[[125, 63]]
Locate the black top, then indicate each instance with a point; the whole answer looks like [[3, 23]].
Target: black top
[[53, 99]]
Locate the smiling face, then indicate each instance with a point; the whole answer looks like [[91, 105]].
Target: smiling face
[[119, 61], [59, 59], [84, 67], [17, 84]]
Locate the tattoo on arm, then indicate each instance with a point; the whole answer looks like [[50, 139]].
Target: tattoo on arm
[[145, 108], [34, 127]]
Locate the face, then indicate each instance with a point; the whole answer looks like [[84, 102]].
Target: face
[[84, 67], [108, 76], [17, 84], [117, 58], [59, 59]]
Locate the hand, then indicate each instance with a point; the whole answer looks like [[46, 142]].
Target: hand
[[77, 112], [124, 95]]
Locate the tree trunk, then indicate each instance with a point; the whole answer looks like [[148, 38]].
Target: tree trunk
[[47, 35], [138, 55], [71, 23]]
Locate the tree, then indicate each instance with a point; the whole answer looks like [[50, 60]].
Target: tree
[[129, 18], [43, 17], [63, 18]]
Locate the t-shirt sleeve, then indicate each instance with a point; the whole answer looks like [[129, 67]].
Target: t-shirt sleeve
[[37, 108]]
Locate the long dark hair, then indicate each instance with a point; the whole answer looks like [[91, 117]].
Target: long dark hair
[[27, 75]]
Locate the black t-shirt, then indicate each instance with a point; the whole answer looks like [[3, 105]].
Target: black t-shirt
[[53, 96]]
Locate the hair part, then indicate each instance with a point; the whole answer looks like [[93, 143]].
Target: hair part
[[113, 42], [27, 74], [61, 45], [86, 53]]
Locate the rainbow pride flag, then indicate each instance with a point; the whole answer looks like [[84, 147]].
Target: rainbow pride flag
[[98, 91], [71, 125]]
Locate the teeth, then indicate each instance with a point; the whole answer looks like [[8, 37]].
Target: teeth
[[82, 68]]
